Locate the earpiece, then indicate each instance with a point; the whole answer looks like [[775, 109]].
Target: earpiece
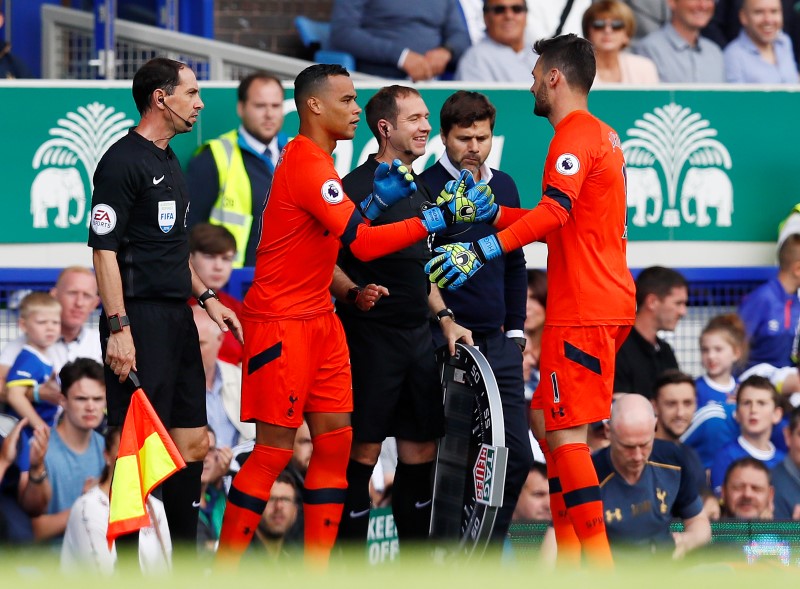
[[161, 99], [385, 130]]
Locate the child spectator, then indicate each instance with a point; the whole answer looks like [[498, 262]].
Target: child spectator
[[758, 410], [40, 321], [212, 250], [723, 346]]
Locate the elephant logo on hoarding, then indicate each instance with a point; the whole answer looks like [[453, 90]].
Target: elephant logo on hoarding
[[709, 188], [76, 145], [643, 187], [57, 188], [660, 147]]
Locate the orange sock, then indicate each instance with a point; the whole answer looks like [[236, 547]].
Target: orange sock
[[569, 546], [247, 499], [582, 498], [324, 493]]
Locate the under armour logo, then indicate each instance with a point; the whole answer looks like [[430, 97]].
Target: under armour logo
[[558, 412]]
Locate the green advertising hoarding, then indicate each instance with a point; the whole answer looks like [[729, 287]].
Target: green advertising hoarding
[[703, 165]]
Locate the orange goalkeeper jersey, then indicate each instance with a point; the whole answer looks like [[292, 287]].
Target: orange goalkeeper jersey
[[306, 218], [583, 219]]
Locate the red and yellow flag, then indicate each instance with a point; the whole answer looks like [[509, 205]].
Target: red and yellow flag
[[147, 456]]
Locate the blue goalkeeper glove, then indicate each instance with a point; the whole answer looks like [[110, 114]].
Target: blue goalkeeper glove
[[391, 185], [461, 201], [459, 261]]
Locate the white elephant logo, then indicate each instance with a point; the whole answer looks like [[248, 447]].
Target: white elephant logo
[[56, 188], [709, 188], [643, 185], [77, 142]]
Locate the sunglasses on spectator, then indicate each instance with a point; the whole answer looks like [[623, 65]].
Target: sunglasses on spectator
[[616, 24], [499, 9]]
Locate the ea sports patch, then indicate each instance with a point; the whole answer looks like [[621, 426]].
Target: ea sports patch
[[567, 164], [104, 219], [332, 192], [167, 212]]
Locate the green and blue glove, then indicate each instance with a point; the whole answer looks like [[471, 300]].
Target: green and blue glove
[[461, 201], [391, 185], [457, 262]]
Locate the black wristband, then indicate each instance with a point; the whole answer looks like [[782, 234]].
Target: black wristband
[[117, 322], [352, 294], [208, 294], [445, 313]]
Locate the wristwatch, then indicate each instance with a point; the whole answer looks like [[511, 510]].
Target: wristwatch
[[117, 322], [352, 294], [445, 313], [208, 294]]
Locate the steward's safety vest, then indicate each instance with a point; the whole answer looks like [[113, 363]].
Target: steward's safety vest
[[234, 207]]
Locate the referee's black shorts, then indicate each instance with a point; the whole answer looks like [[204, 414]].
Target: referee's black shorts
[[396, 389], [168, 364]]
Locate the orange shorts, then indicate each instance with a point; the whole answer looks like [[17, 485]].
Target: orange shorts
[[577, 374], [295, 366]]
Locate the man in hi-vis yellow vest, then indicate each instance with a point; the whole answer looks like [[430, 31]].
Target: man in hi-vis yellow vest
[[229, 177]]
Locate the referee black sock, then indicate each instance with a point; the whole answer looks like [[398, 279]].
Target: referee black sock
[[412, 496], [355, 515], [181, 494]]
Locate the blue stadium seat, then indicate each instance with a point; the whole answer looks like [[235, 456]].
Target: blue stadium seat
[[315, 35]]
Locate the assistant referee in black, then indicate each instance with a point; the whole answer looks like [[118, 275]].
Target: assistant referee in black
[[141, 257]]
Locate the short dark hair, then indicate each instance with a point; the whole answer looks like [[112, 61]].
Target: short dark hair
[[383, 105], [247, 81], [80, 368], [794, 419], [211, 239], [743, 462], [789, 252], [759, 382], [463, 109], [539, 467], [537, 283], [571, 55], [158, 73], [673, 376], [311, 80], [659, 281], [287, 477]]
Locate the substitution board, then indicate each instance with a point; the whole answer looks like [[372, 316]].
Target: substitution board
[[471, 459]]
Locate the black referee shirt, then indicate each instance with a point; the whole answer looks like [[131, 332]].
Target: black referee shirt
[[640, 363], [139, 208]]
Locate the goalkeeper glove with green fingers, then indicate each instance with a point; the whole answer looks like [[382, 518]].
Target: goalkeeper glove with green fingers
[[461, 201], [391, 185], [457, 262]]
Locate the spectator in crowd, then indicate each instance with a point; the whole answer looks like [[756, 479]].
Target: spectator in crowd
[[674, 404], [534, 499], [679, 52], [758, 411], [11, 66], [535, 308], [554, 18], [396, 388], [40, 321], [645, 483], [223, 386], [212, 249], [15, 523], [85, 548], [723, 348], [747, 491], [502, 55], [279, 516], [229, 177], [418, 39], [610, 25], [76, 290], [786, 476], [212, 494], [467, 122], [772, 311], [762, 53], [650, 15], [727, 23], [661, 298], [74, 460]]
